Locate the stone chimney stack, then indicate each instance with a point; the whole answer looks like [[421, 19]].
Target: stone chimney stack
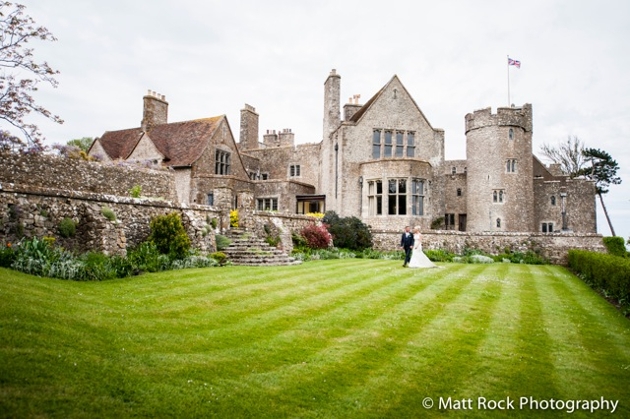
[[332, 99], [155, 110], [350, 108], [248, 139]]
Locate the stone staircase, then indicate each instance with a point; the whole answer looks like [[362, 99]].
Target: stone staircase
[[247, 249]]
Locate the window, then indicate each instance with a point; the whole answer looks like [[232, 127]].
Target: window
[[376, 144], [397, 198], [498, 223], [388, 144], [547, 227], [453, 170], [294, 170], [465, 169], [267, 204], [400, 145], [459, 191], [510, 166], [375, 197], [511, 134], [411, 146], [264, 176], [498, 196], [222, 163], [417, 197], [449, 221], [210, 199], [385, 145], [553, 200]]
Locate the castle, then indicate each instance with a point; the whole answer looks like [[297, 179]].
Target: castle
[[383, 163]]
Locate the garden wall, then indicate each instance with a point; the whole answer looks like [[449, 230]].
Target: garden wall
[[27, 211], [554, 247]]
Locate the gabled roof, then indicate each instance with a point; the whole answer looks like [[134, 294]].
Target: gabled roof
[[120, 144], [181, 143], [358, 114]]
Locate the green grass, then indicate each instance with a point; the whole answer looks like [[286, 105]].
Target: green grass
[[350, 338]]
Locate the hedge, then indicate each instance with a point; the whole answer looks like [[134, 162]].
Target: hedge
[[603, 272]]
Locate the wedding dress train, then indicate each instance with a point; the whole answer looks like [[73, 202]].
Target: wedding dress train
[[418, 258]]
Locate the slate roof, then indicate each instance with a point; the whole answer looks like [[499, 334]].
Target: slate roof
[[181, 143]]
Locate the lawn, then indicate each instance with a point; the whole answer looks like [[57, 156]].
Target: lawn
[[328, 339]]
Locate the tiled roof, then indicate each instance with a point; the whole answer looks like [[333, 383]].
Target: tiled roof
[[182, 143], [120, 144]]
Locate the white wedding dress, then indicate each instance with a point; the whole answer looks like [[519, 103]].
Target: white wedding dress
[[418, 258]]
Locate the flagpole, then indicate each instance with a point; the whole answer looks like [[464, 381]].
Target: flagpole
[[508, 78]]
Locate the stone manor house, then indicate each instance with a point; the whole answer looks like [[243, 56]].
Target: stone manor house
[[381, 161]]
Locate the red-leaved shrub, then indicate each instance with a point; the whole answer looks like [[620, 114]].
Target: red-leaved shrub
[[317, 236]]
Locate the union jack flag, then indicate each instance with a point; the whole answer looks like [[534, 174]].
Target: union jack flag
[[516, 63]]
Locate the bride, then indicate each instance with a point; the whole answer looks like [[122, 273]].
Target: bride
[[418, 258]]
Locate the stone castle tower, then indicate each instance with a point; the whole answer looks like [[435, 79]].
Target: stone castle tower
[[500, 189]]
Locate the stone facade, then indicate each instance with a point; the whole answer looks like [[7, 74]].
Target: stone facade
[[383, 163]]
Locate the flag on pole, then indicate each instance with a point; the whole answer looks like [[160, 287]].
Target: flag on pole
[[515, 63]]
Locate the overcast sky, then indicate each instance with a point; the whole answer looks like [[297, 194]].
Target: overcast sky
[[211, 57]]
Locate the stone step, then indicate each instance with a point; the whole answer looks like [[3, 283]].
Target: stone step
[[247, 249]]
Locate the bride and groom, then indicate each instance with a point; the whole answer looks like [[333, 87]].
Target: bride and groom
[[412, 244]]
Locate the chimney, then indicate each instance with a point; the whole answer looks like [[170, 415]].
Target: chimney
[[248, 139], [332, 99], [155, 110], [286, 138], [350, 108]]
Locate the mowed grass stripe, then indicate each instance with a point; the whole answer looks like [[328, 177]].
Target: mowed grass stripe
[[585, 351], [308, 324], [357, 354], [278, 310], [413, 372]]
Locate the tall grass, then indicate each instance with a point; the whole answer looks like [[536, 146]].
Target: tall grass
[[339, 338]]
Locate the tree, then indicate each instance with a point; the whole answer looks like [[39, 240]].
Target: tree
[[16, 64], [82, 143], [603, 171], [568, 155]]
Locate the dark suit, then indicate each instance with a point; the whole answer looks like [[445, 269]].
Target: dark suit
[[406, 241]]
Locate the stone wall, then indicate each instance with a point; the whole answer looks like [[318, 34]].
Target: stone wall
[[37, 212], [59, 173], [554, 247]]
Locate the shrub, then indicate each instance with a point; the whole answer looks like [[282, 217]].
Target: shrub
[[234, 218], [147, 258], [169, 236], [616, 246], [108, 213], [529, 257], [222, 242], [437, 224], [603, 272], [439, 255], [136, 191], [220, 257], [7, 255], [316, 236], [348, 232], [67, 227]]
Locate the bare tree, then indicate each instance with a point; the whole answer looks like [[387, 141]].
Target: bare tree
[[20, 74], [569, 155]]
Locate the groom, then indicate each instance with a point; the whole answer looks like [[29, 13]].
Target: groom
[[406, 242]]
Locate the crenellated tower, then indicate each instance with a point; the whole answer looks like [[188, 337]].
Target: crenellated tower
[[500, 188]]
